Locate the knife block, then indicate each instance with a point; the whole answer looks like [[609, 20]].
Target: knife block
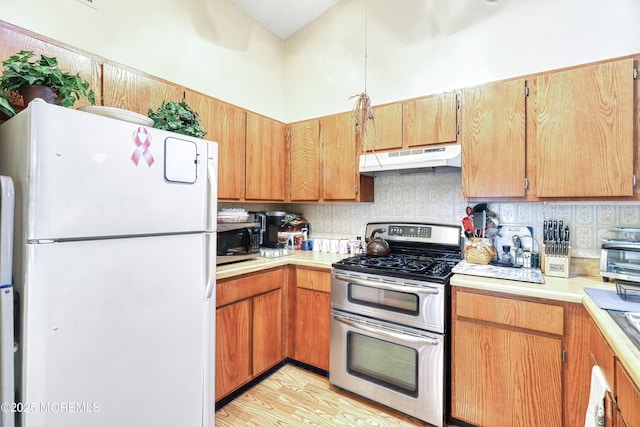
[[555, 265]]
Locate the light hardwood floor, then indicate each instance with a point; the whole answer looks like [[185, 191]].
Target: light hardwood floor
[[293, 396]]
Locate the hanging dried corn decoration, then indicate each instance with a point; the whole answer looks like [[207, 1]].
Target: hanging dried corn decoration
[[363, 113]]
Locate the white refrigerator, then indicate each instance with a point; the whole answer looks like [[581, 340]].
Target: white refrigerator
[[114, 271]]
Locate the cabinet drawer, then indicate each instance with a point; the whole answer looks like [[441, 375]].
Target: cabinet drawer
[[628, 397], [313, 279], [248, 286], [521, 314]]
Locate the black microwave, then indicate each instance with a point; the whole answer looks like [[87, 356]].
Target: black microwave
[[237, 242]]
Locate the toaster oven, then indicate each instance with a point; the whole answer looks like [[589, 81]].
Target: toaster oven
[[620, 255]]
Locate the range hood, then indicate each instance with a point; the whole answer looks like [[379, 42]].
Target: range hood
[[429, 159]]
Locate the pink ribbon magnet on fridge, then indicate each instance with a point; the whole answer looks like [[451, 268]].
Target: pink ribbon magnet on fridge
[[142, 139]]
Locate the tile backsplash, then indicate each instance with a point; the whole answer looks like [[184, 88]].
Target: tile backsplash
[[437, 197]]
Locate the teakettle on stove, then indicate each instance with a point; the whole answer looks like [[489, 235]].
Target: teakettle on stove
[[620, 254]]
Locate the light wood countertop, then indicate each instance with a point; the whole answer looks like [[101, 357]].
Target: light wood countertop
[[304, 258]]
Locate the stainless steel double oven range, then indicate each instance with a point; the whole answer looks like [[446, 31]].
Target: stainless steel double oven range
[[389, 319]]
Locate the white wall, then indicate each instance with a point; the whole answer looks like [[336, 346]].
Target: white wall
[[414, 47], [207, 45], [420, 47]]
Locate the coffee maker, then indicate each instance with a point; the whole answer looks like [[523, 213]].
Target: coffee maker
[[271, 221]]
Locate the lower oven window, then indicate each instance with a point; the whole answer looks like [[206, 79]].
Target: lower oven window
[[382, 362], [401, 302]]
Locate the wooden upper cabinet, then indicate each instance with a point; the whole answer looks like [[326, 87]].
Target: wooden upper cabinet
[[493, 139], [226, 125], [430, 120], [584, 131], [265, 159], [339, 157], [387, 132], [15, 39], [303, 141], [136, 91]]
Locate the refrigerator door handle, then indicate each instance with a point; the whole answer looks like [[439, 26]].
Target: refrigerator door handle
[[212, 186], [210, 264]]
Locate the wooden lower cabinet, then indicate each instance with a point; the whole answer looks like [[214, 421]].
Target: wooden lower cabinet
[[628, 399], [623, 408], [233, 344], [510, 360], [248, 328], [504, 377], [267, 331], [312, 317]]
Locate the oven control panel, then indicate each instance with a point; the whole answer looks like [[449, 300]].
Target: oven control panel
[[409, 231], [419, 232]]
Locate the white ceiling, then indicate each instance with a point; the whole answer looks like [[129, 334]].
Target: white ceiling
[[284, 17]]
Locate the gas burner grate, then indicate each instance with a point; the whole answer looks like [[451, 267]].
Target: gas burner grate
[[409, 265]]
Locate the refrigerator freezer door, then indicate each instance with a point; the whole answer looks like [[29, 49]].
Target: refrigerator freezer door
[[118, 332], [81, 175], [7, 339]]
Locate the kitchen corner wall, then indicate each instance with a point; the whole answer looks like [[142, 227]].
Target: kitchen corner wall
[[437, 197]]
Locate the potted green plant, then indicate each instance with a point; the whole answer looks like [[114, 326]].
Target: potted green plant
[[177, 117], [21, 73]]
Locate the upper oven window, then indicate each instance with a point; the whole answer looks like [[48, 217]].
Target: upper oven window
[[390, 300]]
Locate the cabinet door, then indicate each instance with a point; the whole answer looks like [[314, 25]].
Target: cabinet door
[[136, 91], [304, 157], [584, 131], [620, 421], [387, 132], [312, 327], [628, 397], [506, 362], [233, 347], [267, 331], [601, 353], [610, 409], [339, 157], [430, 120], [226, 125], [493, 140], [266, 159], [312, 314], [505, 377]]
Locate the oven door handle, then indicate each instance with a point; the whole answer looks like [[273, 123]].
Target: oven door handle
[[388, 286], [384, 332]]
